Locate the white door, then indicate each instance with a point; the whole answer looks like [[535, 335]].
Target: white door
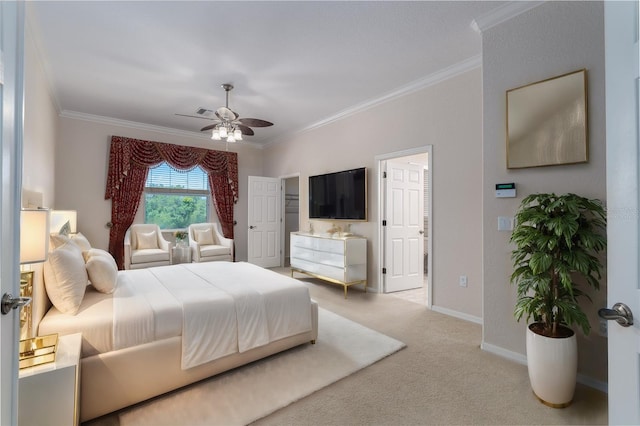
[[265, 221], [623, 280], [403, 233], [11, 104]]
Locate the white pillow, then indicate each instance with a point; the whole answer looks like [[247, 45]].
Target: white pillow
[[81, 241], [147, 240], [58, 240], [65, 278], [102, 273], [94, 252], [204, 236]]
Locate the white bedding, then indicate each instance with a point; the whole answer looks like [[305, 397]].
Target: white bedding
[[218, 308]]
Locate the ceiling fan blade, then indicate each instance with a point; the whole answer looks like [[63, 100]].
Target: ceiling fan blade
[[211, 126], [254, 122], [226, 114], [246, 131], [195, 116]]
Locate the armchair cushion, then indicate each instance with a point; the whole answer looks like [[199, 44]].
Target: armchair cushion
[[204, 236], [149, 255], [214, 250], [147, 240]]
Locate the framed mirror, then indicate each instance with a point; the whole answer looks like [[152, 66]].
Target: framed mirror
[[547, 122]]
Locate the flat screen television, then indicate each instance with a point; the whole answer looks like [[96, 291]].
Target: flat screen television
[[339, 196]]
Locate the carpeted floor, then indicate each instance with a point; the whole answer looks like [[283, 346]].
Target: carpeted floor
[[442, 377]]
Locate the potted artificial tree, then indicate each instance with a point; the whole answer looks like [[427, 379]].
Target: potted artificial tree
[[557, 239]]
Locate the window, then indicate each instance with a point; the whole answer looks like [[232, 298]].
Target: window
[[175, 199]]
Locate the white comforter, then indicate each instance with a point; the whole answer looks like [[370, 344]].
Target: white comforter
[[224, 308]]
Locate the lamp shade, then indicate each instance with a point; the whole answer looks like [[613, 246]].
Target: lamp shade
[[60, 217], [34, 235]]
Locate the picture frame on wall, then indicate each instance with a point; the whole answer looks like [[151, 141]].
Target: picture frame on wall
[[547, 122]]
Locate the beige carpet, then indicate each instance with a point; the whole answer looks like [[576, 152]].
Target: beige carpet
[[441, 378], [254, 391]]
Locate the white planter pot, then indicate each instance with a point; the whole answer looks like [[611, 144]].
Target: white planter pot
[[553, 366]]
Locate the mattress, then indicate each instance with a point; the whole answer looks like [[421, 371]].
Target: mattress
[[94, 320]]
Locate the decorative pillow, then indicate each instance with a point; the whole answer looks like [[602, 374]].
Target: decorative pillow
[[65, 278], [58, 240], [81, 241], [147, 240], [204, 236], [65, 229], [95, 252], [102, 273]]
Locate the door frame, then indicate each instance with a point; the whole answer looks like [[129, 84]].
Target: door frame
[[12, 20], [283, 222], [381, 190]]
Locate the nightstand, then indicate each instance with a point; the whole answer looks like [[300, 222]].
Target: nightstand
[[48, 394]]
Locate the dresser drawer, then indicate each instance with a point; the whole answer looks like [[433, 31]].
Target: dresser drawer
[[318, 243]]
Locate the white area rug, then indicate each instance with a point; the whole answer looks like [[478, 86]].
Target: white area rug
[[254, 391]]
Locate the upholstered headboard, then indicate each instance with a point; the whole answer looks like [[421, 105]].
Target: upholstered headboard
[[41, 302]]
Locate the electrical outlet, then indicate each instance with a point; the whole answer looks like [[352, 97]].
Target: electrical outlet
[[463, 281]]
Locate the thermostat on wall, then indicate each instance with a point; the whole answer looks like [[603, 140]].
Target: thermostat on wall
[[505, 190]]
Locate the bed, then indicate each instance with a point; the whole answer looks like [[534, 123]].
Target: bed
[[162, 328]]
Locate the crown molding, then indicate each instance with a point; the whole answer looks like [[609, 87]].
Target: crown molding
[[142, 126], [415, 86], [501, 14]]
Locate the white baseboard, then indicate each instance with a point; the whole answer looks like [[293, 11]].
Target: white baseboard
[[457, 314], [522, 359], [504, 353]]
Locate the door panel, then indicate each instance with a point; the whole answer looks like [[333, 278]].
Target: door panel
[[11, 107], [264, 221], [622, 51], [403, 234]]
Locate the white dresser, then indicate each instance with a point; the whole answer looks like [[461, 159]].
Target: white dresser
[[340, 260]]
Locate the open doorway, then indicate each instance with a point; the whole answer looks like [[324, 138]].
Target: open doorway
[[405, 229], [291, 213]]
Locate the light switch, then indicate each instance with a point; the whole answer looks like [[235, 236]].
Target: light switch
[[505, 223]]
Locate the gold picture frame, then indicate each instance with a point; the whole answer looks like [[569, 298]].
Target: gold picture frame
[[547, 122]]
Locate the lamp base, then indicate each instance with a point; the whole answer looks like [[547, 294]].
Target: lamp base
[[26, 290]]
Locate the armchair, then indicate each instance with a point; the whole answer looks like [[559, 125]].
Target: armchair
[[208, 244], [144, 246]]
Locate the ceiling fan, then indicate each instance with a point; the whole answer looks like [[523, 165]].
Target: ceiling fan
[[228, 125]]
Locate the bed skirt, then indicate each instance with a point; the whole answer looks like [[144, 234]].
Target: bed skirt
[[118, 379]]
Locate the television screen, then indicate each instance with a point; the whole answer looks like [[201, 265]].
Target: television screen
[[340, 195]]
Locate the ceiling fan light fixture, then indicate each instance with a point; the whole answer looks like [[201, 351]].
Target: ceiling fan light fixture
[[237, 134], [231, 139], [223, 131], [215, 135]]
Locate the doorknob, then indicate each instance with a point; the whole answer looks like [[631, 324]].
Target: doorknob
[[620, 312], [251, 227], [9, 302], [421, 232]]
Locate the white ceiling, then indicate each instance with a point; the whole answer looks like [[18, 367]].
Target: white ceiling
[[293, 63]]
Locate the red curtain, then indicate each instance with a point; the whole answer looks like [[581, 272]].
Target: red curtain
[[129, 163]]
